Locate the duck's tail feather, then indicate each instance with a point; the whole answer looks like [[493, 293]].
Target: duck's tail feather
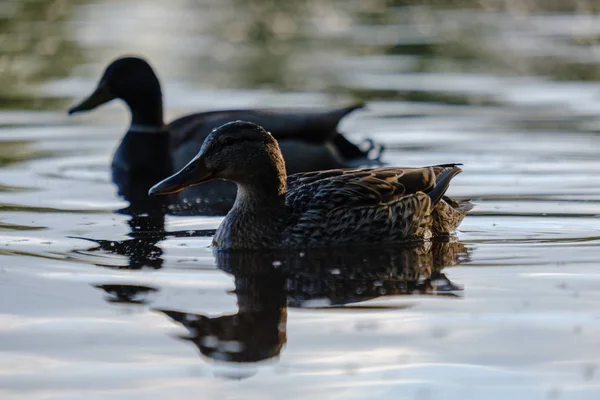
[[368, 151], [313, 126], [464, 205], [442, 181], [341, 112], [369, 155]]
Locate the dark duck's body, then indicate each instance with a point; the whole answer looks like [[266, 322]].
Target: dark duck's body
[[331, 207], [151, 150]]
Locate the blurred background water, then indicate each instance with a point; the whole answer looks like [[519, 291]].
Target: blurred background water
[[507, 87]]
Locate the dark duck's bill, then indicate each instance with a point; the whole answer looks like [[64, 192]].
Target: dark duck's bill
[[101, 95]]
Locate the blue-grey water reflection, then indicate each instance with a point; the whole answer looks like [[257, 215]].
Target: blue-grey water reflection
[[98, 304]]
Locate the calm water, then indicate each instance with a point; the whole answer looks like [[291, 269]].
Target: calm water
[[510, 309]]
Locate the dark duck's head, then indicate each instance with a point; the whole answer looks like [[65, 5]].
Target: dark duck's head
[[241, 152], [132, 80]]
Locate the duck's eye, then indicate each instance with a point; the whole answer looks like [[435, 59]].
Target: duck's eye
[[228, 141]]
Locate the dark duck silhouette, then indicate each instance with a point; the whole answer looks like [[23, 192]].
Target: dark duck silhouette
[[152, 150], [314, 209]]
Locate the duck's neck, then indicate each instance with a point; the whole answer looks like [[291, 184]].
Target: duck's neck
[[142, 159], [258, 215], [254, 199], [146, 109]]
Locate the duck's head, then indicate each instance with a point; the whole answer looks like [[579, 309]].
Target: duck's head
[[238, 151], [130, 79]]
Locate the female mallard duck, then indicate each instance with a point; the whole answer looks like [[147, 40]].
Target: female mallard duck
[[318, 208], [151, 150]]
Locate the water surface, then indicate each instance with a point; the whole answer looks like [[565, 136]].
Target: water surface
[[509, 309]]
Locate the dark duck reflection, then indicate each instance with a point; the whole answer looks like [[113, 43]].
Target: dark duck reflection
[[127, 294], [140, 249], [267, 283], [152, 150], [256, 332]]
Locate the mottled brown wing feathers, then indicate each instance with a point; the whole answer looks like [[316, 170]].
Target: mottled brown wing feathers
[[304, 179], [356, 187]]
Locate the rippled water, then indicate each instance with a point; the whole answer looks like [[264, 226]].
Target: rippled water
[[510, 309]]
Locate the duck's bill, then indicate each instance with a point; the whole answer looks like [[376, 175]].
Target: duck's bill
[[101, 95], [192, 174]]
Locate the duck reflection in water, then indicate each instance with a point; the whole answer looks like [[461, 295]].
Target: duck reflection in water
[[267, 284], [140, 249], [256, 332], [127, 294]]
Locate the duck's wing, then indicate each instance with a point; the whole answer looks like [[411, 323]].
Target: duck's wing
[[311, 125], [365, 205], [365, 187]]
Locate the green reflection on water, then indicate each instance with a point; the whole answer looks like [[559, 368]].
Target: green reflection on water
[[4, 226], [35, 46], [7, 188], [12, 152], [303, 45], [24, 208]]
